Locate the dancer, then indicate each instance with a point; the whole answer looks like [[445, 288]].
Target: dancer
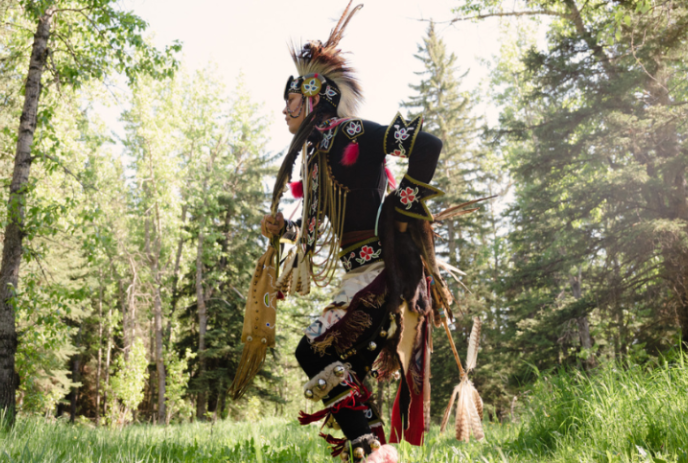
[[379, 319]]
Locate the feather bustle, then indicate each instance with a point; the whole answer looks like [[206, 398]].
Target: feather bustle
[[284, 282], [453, 214], [468, 412], [449, 212], [476, 420]]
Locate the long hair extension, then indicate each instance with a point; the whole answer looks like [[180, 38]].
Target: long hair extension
[[306, 133]]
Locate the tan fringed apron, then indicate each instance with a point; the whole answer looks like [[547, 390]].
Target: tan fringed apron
[[259, 323]]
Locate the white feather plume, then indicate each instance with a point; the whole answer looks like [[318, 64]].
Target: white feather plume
[[473, 344]]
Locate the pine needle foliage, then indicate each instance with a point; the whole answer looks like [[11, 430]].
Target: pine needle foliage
[[593, 128]]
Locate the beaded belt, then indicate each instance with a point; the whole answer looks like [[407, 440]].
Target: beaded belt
[[361, 253]]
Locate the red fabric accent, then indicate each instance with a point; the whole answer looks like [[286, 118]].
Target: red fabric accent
[[338, 445], [395, 432], [305, 418], [350, 154], [360, 391], [348, 402], [416, 418], [359, 394], [390, 179], [332, 440], [296, 189], [280, 296]]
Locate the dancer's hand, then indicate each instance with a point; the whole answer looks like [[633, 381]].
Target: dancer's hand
[[272, 226]]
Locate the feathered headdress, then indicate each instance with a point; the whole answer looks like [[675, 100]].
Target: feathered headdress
[[324, 71]]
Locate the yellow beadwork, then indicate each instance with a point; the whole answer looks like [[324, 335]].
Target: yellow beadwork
[[329, 222], [331, 210]]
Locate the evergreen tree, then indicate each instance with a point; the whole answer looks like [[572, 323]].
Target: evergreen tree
[[599, 222]]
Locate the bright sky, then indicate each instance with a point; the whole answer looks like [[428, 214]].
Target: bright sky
[[251, 37]]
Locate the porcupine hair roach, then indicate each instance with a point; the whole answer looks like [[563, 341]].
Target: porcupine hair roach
[[325, 59]]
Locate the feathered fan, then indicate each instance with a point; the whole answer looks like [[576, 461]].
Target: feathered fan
[[469, 408]]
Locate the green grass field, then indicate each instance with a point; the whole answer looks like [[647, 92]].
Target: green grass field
[[629, 414]]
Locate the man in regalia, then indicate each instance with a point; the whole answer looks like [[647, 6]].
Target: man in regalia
[[378, 322]]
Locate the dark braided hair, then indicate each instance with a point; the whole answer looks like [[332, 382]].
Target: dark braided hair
[[306, 133]]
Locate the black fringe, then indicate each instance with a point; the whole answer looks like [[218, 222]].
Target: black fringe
[[403, 262]]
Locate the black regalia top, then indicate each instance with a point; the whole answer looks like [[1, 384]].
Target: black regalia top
[[364, 178]]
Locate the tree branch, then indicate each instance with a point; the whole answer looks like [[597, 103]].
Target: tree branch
[[81, 12], [596, 48], [17, 26], [69, 47], [512, 14], [66, 170]]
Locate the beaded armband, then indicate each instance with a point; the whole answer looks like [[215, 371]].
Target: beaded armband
[[411, 197]]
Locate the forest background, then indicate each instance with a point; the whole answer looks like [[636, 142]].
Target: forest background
[[128, 245]]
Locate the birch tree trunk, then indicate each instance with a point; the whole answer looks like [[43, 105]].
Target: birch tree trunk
[[76, 365], [14, 234], [175, 277], [159, 363], [152, 248], [201, 406], [157, 307], [131, 293], [122, 297]]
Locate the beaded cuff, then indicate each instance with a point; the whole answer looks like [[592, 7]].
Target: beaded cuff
[[412, 195]]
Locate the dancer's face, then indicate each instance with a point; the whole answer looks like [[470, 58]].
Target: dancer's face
[[294, 111]]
